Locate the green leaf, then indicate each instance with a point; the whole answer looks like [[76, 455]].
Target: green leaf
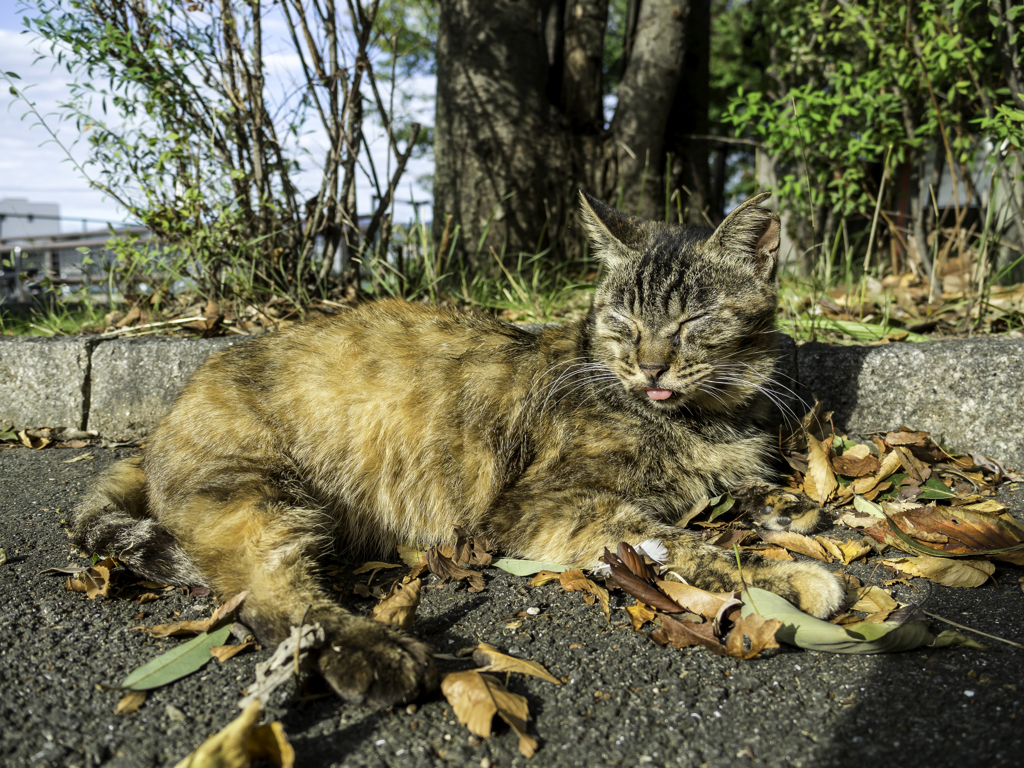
[[867, 507], [936, 489], [805, 631], [526, 567], [180, 661]]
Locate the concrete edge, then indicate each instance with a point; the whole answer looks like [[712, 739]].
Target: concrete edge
[[969, 393]]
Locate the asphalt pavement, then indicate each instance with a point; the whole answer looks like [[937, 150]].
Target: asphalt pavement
[[624, 702]]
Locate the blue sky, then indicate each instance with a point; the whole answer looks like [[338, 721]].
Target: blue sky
[[32, 166]]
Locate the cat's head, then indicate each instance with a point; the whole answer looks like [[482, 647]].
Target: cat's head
[[685, 315]]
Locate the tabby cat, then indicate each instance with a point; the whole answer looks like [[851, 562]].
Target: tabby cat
[[393, 422]]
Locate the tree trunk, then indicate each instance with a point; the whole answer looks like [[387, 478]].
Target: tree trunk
[[520, 117], [496, 154]]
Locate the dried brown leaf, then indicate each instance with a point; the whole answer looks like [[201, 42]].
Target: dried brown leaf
[[694, 600], [639, 615], [844, 552], [951, 572], [573, 580], [491, 659], [849, 465], [620, 576], [197, 626], [751, 636], [399, 607], [890, 463], [412, 555], [795, 542], [477, 698], [374, 566], [871, 600], [447, 571], [632, 560], [966, 532]]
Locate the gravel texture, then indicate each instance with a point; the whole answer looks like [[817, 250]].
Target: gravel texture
[[625, 702]]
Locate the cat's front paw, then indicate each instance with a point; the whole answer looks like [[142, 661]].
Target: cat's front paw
[[368, 662], [777, 509]]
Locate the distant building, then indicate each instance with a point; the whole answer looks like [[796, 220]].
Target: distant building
[[20, 218]]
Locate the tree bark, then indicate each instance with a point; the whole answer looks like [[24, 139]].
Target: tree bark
[[520, 117]]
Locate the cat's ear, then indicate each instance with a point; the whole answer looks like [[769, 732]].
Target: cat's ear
[[614, 236], [754, 233]]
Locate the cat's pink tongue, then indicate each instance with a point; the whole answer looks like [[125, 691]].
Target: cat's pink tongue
[[659, 394]]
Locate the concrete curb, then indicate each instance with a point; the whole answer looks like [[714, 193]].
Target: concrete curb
[[968, 392]]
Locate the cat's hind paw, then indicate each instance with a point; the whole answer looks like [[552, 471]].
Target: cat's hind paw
[[809, 586], [369, 662]]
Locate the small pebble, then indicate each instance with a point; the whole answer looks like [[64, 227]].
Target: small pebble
[[411, 709], [532, 611]]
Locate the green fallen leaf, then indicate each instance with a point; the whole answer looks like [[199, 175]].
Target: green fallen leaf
[[178, 662], [809, 633], [867, 507], [936, 489], [526, 567]]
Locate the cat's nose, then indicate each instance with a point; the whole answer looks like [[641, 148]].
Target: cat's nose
[[654, 370]]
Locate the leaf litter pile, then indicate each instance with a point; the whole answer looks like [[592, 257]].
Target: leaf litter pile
[[895, 491]]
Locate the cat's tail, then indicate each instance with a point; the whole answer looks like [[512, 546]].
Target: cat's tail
[[114, 520]]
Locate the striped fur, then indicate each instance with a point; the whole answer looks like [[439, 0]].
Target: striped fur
[[392, 423]]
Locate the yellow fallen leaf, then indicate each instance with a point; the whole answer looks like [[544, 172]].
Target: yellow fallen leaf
[[640, 614], [989, 507], [130, 702], [774, 553], [820, 481], [477, 698], [750, 636], [873, 600], [544, 577], [241, 742], [224, 652], [412, 555], [491, 659], [949, 571], [795, 542], [399, 608], [843, 551]]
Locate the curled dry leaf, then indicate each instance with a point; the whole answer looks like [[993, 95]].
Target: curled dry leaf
[[477, 698], [820, 482], [491, 659], [856, 462], [545, 577], [573, 580], [412, 555], [620, 576], [447, 571], [241, 742], [954, 530], [844, 552], [947, 571], [795, 542], [690, 598], [399, 608], [641, 614], [865, 485], [196, 627]]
